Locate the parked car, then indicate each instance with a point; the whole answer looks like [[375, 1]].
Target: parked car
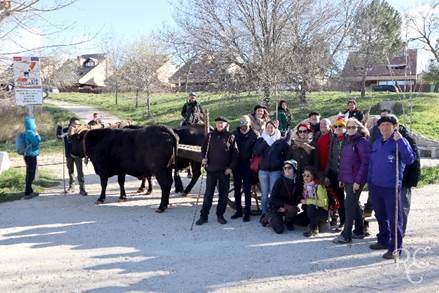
[[385, 88]]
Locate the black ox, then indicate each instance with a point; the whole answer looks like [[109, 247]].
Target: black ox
[[140, 152]]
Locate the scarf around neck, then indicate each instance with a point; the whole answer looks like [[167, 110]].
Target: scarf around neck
[[270, 139]]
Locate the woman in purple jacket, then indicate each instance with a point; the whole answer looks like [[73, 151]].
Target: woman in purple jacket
[[353, 175]]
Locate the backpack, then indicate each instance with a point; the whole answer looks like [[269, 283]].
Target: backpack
[[20, 143]]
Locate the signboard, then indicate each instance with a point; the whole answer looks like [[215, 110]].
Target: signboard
[[27, 81]]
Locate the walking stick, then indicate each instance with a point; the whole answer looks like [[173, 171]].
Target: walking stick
[[201, 184], [64, 167], [395, 250]]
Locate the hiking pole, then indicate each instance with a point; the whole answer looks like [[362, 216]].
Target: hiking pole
[[395, 250], [201, 184]]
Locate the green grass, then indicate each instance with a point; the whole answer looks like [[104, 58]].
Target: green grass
[[12, 183], [46, 116], [166, 107], [429, 175]]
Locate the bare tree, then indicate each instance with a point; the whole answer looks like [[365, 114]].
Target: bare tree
[[143, 59], [260, 35], [425, 25]]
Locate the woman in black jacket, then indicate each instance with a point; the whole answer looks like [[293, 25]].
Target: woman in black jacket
[[284, 199]]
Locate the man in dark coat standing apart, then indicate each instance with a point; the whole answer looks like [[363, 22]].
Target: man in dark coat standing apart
[[220, 154]]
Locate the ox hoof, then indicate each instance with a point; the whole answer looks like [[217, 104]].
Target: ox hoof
[[122, 199], [160, 210], [184, 194], [98, 202], [148, 192], [140, 190]]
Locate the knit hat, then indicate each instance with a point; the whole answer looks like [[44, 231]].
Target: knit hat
[[388, 118], [292, 163], [340, 121]]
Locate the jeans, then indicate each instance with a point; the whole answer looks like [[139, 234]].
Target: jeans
[[406, 198], [383, 200], [242, 177], [71, 162], [267, 180], [223, 181], [353, 212], [31, 166]]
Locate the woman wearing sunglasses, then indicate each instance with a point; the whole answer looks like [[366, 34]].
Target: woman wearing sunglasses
[[284, 199], [352, 176]]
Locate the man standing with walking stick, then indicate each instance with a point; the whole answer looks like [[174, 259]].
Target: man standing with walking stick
[[71, 159], [387, 162]]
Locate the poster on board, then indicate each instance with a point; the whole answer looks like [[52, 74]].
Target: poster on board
[[27, 81]]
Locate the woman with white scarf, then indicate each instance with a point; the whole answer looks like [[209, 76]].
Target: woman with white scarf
[[273, 149]]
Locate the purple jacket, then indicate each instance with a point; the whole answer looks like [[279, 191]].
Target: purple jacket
[[354, 160]]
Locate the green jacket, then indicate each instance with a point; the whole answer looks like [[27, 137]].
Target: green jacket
[[321, 200], [284, 122]]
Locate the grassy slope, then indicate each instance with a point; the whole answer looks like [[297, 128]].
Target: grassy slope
[[166, 106], [12, 184]]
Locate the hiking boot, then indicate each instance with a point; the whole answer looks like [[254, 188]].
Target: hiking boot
[[310, 233], [83, 192], [358, 236], [246, 217], [221, 220], [378, 246], [30, 195], [236, 215], [201, 221], [388, 255], [341, 240]]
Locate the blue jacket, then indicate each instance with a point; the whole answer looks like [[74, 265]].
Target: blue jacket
[[32, 139], [382, 163]]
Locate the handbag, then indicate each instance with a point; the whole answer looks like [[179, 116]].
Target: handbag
[[255, 163]]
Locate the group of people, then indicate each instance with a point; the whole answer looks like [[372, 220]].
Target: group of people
[[314, 173], [310, 175]]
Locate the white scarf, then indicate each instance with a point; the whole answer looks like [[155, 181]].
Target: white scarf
[[270, 139]]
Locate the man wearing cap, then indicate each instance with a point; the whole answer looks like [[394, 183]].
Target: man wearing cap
[[242, 174], [382, 182], [192, 112], [220, 155]]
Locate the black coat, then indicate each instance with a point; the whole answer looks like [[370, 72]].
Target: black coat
[[285, 191], [412, 173], [191, 113], [245, 143], [222, 152], [273, 156], [355, 114]]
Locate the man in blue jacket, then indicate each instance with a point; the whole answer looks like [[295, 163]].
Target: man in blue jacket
[[32, 140], [382, 182]]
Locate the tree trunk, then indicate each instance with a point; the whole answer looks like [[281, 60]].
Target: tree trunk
[[116, 92], [267, 91], [148, 104], [137, 98], [363, 83]]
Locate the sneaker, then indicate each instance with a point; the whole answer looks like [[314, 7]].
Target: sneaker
[[310, 233], [31, 195], [341, 240], [246, 218], [236, 215], [378, 246], [388, 255], [221, 220], [358, 236], [83, 192], [201, 221]]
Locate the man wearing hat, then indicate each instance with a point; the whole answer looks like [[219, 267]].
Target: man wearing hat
[[382, 182], [242, 174], [220, 156], [192, 112]]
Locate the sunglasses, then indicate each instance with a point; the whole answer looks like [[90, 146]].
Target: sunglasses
[[302, 131], [288, 168], [351, 127], [338, 126]]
